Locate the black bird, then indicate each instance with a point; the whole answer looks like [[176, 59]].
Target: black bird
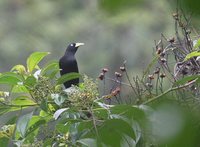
[[68, 63]]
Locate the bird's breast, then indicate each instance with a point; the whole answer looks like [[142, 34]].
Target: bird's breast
[[68, 65]]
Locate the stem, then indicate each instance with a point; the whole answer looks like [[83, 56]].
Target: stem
[[127, 76], [94, 122], [117, 81], [169, 90]]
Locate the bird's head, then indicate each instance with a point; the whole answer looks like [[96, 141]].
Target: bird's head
[[72, 47]]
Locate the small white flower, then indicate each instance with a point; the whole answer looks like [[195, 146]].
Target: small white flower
[[198, 58], [36, 74], [6, 94], [54, 96], [59, 112]]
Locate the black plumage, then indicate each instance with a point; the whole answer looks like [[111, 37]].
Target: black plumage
[[68, 63]]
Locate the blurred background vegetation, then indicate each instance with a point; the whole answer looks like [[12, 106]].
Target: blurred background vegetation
[[113, 31]]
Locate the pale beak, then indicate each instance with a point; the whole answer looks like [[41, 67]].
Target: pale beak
[[78, 44]]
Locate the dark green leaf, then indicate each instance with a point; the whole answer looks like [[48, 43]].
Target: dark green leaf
[[12, 120], [22, 124], [101, 113], [48, 142], [44, 105], [68, 77], [5, 109], [127, 141], [63, 128], [128, 111], [88, 142], [30, 81], [112, 131], [34, 59], [4, 141], [35, 126]]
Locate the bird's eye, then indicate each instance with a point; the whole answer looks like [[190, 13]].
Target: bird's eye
[[72, 44]]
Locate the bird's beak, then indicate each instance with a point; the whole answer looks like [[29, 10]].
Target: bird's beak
[[78, 44]]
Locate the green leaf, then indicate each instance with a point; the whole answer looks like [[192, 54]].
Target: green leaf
[[128, 111], [4, 141], [12, 120], [185, 80], [51, 69], [23, 100], [101, 113], [19, 68], [62, 128], [127, 141], [10, 78], [35, 123], [5, 109], [112, 132], [191, 55], [68, 77], [34, 59], [19, 89], [48, 142], [44, 105], [30, 81], [22, 124], [85, 129]]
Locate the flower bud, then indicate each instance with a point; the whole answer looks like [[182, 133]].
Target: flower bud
[[171, 40], [101, 76], [122, 68], [118, 75], [157, 70], [150, 85], [116, 91], [163, 75], [151, 77], [163, 60], [104, 70]]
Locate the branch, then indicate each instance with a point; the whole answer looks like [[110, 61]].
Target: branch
[[169, 90]]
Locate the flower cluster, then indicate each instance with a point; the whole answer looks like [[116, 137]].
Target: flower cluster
[[42, 89], [83, 96]]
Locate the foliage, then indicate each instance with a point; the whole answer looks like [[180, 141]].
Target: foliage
[[85, 115], [80, 116]]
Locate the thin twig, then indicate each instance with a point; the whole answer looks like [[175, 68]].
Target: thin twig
[[169, 90]]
